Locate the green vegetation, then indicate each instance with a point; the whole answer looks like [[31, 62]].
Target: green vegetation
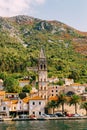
[[74, 100], [12, 85], [84, 106], [52, 104], [22, 38], [71, 100], [27, 88], [62, 100]]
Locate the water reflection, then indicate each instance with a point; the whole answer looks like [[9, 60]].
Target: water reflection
[[45, 125]]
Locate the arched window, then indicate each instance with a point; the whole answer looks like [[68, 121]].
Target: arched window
[[44, 66], [70, 93], [41, 66]]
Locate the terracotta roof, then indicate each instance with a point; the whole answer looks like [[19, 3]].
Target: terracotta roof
[[6, 99], [14, 101], [2, 93], [76, 84], [26, 99], [55, 98], [12, 93], [37, 98]]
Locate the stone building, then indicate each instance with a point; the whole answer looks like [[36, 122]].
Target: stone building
[[42, 76]]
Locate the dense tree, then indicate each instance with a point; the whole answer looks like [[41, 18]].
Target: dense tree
[[74, 75], [3, 75], [84, 106], [66, 57], [22, 95], [52, 104], [62, 100], [27, 88], [11, 85], [74, 100]]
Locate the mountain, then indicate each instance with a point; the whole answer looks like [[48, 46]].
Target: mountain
[[21, 38]]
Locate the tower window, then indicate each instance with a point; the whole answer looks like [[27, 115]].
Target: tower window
[[44, 88], [45, 97], [41, 67], [44, 79], [44, 67], [41, 87]]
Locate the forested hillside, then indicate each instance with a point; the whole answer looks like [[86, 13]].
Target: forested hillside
[[22, 37]]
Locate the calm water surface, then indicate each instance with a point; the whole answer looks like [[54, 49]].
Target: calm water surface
[[44, 125]]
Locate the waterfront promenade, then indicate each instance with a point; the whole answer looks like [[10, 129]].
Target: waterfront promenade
[[49, 118]]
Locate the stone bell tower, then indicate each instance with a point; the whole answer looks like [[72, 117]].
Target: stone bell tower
[[42, 75]]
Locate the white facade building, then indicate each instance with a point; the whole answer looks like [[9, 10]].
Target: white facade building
[[36, 106]]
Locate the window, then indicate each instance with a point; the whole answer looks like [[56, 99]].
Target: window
[[14, 108], [56, 90], [44, 88], [44, 67], [41, 67], [44, 79], [4, 108], [52, 94], [41, 87], [39, 103], [33, 103], [34, 112], [52, 90], [39, 112], [45, 97], [56, 86]]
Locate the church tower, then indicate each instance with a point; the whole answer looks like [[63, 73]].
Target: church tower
[[42, 75]]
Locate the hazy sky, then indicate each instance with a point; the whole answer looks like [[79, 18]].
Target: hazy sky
[[70, 12]]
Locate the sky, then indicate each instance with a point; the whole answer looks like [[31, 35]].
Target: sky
[[70, 12]]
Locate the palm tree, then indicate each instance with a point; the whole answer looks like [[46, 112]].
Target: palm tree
[[61, 101], [84, 106], [52, 104], [74, 100]]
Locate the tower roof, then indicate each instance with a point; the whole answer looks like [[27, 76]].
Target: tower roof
[[42, 53]]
